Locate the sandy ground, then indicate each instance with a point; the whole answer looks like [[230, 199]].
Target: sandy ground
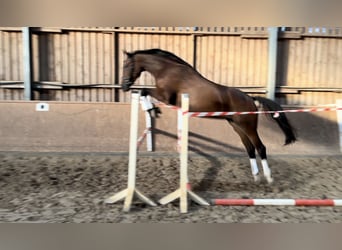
[[72, 187]]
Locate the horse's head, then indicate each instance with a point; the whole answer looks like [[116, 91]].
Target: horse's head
[[131, 71]]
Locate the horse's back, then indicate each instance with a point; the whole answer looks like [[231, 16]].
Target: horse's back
[[239, 101], [205, 96], [210, 97]]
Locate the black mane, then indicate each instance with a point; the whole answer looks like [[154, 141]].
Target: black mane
[[163, 53]]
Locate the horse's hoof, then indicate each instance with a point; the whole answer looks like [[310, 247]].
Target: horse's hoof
[[269, 180], [155, 112], [256, 178]]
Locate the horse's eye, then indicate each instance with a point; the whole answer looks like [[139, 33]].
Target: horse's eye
[[126, 65]]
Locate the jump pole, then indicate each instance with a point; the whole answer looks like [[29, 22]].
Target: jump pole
[[276, 202], [339, 120], [131, 190], [183, 192]]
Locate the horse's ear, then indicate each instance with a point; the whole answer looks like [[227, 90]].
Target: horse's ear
[[128, 54]]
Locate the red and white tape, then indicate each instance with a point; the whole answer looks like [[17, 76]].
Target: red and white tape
[[276, 113], [158, 103], [276, 202], [229, 113]]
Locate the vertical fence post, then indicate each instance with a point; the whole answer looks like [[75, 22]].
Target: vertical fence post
[[272, 61], [131, 189], [146, 105], [184, 154], [179, 129], [149, 137], [27, 51], [132, 160], [339, 120], [184, 190]]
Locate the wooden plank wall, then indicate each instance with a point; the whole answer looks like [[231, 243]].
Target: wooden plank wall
[[311, 63], [308, 72], [232, 60], [76, 58], [11, 64]]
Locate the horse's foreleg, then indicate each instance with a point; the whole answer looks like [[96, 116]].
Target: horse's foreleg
[[155, 93], [153, 110]]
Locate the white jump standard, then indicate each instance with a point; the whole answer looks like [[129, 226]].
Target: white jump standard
[[131, 190], [183, 191]]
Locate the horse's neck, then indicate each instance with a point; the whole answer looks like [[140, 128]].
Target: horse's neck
[[152, 65]]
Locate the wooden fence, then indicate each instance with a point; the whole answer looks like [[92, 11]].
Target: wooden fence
[[85, 64]]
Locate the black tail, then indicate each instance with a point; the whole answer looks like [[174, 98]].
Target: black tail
[[282, 121]]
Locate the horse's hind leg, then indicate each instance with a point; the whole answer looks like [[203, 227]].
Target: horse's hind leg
[[249, 136], [250, 150], [254, 137]]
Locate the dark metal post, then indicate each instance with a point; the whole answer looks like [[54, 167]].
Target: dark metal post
[[27, 49], [272, 61]]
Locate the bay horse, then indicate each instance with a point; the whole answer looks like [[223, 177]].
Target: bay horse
[[174, 76]]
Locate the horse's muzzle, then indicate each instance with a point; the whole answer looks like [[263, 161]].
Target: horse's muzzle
[[126, 86]]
